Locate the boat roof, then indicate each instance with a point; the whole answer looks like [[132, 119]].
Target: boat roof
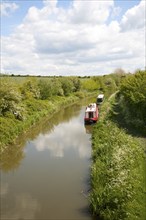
[[91, 107], [100, 96]]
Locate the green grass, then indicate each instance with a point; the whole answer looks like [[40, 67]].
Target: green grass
[[35, 110], [117, 172]]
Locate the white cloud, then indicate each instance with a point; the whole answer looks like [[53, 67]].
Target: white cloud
[[24, 206], [90, 11], [116, 12], [52, 3], [134, 18], [7, 8], [65, 132], [75, 40]]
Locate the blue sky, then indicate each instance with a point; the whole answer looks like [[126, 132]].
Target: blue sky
[[9, 22], [73, 35]]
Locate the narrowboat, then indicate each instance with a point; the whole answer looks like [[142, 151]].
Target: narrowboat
[[91, 113], [100, 99]]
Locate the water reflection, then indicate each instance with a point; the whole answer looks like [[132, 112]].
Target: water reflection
[[51, 165], [11, 157], [3, 189], [65, 136], [88, 129], [24, 206]]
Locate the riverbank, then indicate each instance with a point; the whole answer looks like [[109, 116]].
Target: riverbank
[[117, 171], [48, 169], [35, 110]]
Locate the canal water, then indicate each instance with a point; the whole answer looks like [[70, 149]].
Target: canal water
[[46, 174]]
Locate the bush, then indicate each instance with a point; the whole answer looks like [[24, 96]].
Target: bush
[[10, 101], [132, 99], [67, 86], [117, 180]]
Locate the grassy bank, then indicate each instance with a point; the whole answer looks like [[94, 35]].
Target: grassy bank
[[35, 110], [117, 172], [25, 100]]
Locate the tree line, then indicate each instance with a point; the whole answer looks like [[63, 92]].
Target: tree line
[[27, 99], [14, 91]]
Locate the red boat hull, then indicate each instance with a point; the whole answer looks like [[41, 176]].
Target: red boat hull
[[91, 116]]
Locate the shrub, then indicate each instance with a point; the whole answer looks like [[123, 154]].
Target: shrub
[[132, 99], [117, 180]]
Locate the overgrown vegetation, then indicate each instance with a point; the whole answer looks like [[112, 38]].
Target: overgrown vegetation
[[131, 100], [24, 100], [118, 189], [117, 174]]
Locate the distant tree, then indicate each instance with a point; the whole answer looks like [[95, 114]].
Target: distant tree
[[56, 87], [76, 83], [119, 71], [44, 88], [67, 85], [30, 88], [89, 84]]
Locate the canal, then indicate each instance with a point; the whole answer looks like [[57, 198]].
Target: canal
[[46, 174]]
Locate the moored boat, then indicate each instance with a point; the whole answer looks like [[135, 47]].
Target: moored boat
[[100, 99], [91, 113]]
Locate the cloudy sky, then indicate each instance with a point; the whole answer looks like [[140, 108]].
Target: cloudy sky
[[72, 37]]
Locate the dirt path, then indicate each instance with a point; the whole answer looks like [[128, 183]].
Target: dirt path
[[106, 106]]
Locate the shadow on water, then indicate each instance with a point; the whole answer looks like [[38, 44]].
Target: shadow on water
[[88, 128], [86, 212]]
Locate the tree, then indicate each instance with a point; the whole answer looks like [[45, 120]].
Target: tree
[[133, 99], [67, 85], [89, 84], [45, 89], [30, 88], [10, 100]]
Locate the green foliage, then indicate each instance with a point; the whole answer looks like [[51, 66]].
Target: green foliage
[[45, 90], [110, 85], [10, 100], [24, 100], [89, 84], [67, 85], [9, 129], [50, 87], [28, 99], [30, 88], [117, 180], [80, 94], [132, 99], [77, 84], [56, 87]]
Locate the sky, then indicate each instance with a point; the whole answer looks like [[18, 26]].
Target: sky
[[72, 37]]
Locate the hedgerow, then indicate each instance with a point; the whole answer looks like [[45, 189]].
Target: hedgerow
[[117, 174], [132, 100]]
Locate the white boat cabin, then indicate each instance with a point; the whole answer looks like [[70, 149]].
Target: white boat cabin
[[91, 111], [100, 98]]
